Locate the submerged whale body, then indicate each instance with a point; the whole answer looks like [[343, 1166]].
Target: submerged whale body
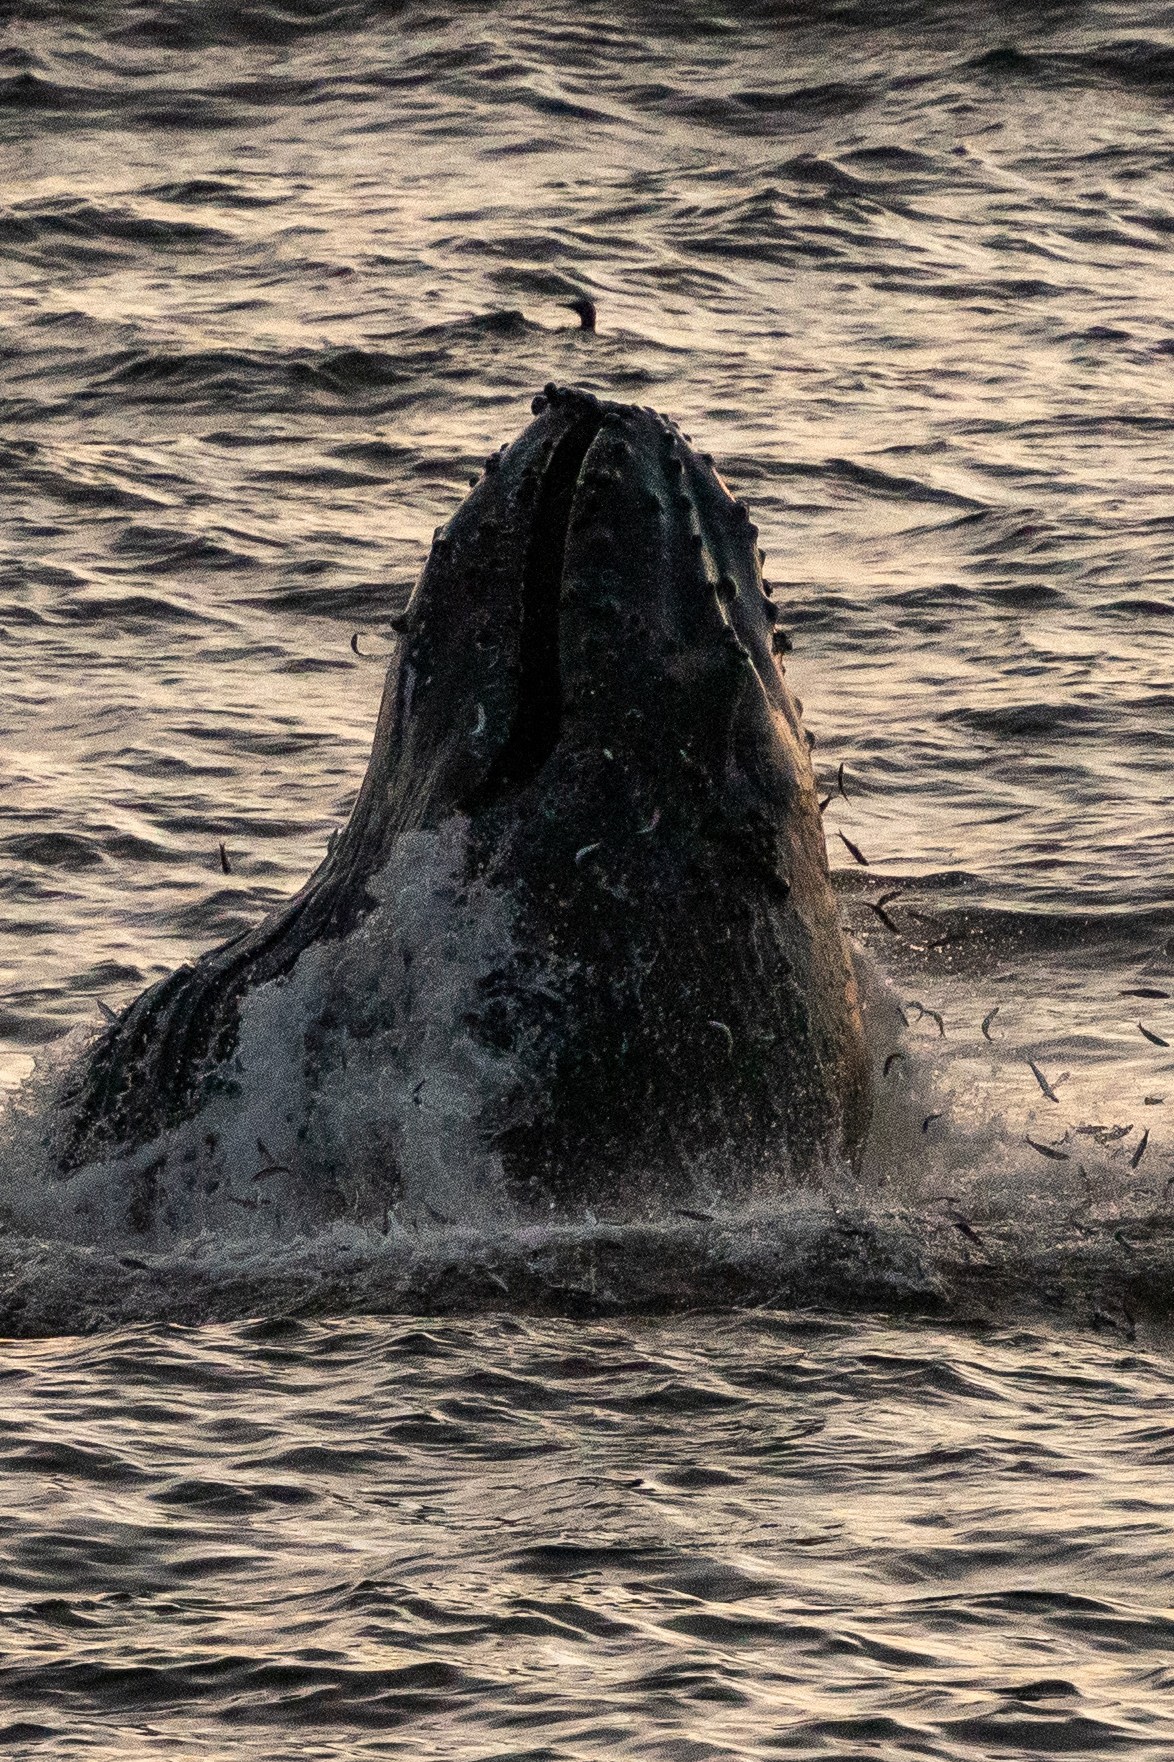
[[585, 874]]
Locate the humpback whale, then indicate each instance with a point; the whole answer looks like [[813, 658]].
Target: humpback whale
[[635, 965]]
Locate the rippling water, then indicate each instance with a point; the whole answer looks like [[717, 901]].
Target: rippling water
[[527, 1540], [277, 277]]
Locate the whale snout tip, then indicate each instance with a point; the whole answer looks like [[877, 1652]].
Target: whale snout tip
[[599, 539], [634, 498]]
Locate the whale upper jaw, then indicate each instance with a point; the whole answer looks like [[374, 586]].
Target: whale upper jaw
[[587, 684]]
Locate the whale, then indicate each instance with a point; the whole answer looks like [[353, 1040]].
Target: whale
[[583, 896]]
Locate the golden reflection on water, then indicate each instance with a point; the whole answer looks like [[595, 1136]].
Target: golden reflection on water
[[860, 1533]]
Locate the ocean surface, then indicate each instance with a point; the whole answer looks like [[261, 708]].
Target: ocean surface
[[881, 1468]]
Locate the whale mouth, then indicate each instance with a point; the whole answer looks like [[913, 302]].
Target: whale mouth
[[537, 718]]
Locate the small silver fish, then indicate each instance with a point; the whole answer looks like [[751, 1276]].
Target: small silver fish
[[1050, 1150], [1042, 1081]]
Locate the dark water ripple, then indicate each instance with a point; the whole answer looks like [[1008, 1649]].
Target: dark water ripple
[[465, 1538]]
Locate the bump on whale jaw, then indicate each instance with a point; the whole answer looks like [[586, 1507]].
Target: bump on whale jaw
[[587, 680]]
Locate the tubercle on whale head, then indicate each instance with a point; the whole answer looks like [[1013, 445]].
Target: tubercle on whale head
[[664, 607]]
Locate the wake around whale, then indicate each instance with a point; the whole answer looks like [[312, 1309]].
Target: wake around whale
[[577, 946]]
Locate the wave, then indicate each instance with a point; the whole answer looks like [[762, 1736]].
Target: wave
[[71, 221], [1136, 63], [50, 471], [1134, 608], [189, 24], [767, 473], [1008, 931], [217, 191], [163, 550], [366, 602], [809, 1253], [876, 482], [375, 379], [131, 611], [1033, 720], [31, 91], [52, 850], [759, 111]]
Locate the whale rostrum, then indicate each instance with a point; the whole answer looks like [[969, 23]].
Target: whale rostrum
[[586, 688]]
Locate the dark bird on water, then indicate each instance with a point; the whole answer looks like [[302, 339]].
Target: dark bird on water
[[585, 309]]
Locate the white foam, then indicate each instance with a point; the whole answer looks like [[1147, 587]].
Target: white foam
[[349, 1168], [355, 1092]]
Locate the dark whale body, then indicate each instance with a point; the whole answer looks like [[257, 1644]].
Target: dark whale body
[[587, 684]]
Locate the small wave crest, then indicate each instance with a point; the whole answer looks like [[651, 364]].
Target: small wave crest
[[263, 380], [808, 1250]]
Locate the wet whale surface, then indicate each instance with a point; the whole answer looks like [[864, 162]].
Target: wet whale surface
[[584, 884]]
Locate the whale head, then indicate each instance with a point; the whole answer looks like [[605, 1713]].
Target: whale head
[[588, 683]]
